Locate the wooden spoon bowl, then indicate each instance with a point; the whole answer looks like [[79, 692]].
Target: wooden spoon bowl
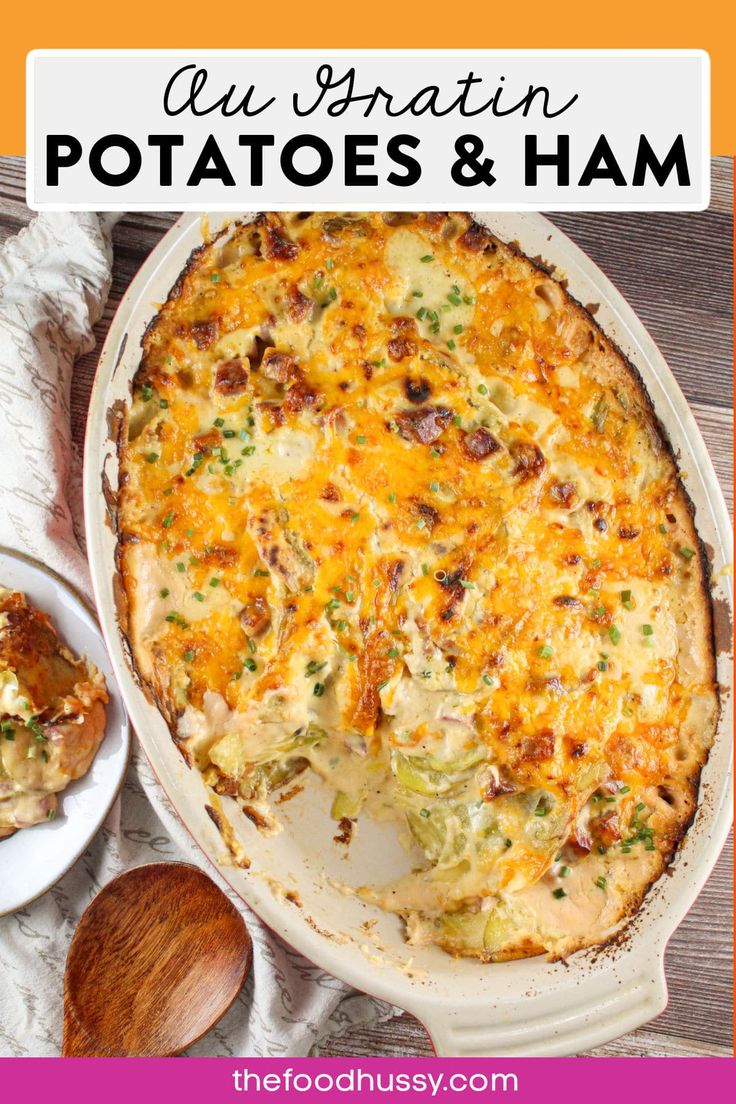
[[156, 960]]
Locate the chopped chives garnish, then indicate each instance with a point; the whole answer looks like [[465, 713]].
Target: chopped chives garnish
[[393, 653], [219, 422], [168, 520], [662, 528], [482, 389], [250, 664], [152, 457], [215, 277], [319, 689], [458, 329], [426, 258], [180, 566], [198, 596], [686, 553], [559, 893], [457, 421], [354, 518], [421, 313], [214, 581], [434, 487], [545, 651], [488, 680], [313, 667], [564, 871], [164, 592], [614, 634], [450, 344], [146, 392], [418, 294], [188, 657], [424, 812], [454, 299], [647, 630], [601, 882]]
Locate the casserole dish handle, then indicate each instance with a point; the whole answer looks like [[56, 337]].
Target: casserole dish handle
[[601, 1008]]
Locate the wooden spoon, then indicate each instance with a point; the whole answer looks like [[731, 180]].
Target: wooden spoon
[[157, 958]]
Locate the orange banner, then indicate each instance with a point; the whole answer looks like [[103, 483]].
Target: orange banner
[[479, 24]]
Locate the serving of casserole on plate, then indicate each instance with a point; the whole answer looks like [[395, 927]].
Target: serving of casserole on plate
[[64, 738], [52, 705], [405, 567]]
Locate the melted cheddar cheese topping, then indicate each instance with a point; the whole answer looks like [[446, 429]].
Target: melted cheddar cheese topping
[[393, 507]]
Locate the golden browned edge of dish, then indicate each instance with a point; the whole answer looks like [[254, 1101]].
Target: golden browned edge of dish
[[625, 369]]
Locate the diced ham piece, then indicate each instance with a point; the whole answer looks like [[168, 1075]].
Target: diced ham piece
[[480, 443], [424, 425], [231, 377]]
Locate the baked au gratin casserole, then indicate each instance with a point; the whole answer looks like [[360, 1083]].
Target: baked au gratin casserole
[[52, 714], [393, 508]]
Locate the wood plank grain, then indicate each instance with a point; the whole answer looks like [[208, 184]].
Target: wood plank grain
[[721, 184], [675, 270]]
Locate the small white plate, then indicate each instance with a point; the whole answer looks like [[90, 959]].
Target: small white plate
[[33, 860]]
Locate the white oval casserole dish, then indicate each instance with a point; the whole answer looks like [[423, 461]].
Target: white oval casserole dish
[[529, 1007]]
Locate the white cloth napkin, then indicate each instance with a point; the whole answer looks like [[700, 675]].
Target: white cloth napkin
[[54, 280]]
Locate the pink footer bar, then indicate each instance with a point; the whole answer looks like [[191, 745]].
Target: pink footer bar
[[342, 1080]]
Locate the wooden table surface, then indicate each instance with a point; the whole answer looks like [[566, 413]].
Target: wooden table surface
[[676, 271]]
